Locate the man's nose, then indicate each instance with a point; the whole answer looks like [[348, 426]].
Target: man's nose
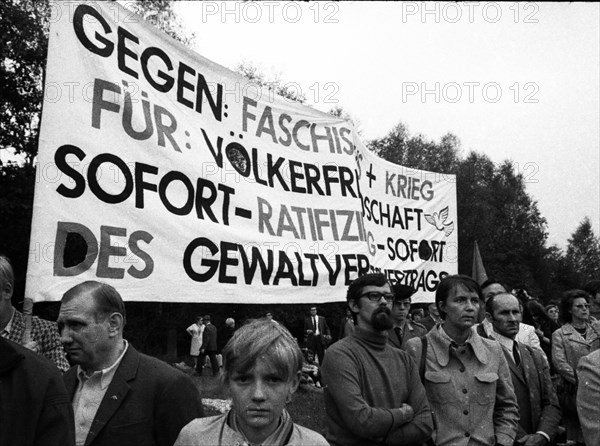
[[65, 335], [258, 393]]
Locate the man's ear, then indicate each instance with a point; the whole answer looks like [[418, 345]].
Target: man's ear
[[489, 317], [115, 320], [353, 306]]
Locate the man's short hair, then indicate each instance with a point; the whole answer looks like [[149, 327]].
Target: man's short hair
[[206, 318], [490, 304], [492, 281], [566, 303], [229, 321], [7, 275], [370, 279], [592, 287], [261, 339], [107, 299], [451, 283]]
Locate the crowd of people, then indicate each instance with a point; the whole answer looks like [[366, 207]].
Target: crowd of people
[[485, 366]]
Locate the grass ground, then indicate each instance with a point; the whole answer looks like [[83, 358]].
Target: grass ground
[[307, 407]]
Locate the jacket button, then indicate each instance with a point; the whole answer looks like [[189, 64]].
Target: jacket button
[[466, 412], [462, 369], [467, 434], [464, 390]]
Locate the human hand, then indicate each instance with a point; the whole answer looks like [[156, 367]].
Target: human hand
[[408, 412], [532, 440]]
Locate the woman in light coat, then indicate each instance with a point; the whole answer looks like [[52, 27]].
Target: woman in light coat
[[574, 340]]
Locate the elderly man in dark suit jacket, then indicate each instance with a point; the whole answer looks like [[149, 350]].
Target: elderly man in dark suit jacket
[[120, 396], [539, 410], [317, 333]]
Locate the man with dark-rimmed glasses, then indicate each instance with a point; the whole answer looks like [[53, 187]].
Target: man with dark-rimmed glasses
[[373, 394]]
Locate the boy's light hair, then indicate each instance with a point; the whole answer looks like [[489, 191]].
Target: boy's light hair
[[261, 338], [7, 274]]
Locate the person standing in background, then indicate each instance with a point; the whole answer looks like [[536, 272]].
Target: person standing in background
[[195, 331], [433, 318], [209, 347], [403, 329], [347, 326], [571, 342], [593, 289], [226, 333], [317, 333]]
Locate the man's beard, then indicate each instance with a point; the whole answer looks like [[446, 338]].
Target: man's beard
[[381, 319]]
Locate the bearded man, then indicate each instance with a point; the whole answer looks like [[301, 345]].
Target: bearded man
[[373, 393]]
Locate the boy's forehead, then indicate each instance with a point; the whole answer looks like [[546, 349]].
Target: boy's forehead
[[264, 364]]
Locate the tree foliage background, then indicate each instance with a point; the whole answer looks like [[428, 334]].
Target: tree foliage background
[[494, 207]]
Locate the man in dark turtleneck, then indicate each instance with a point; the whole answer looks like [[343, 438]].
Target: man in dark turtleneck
[[373, 393]]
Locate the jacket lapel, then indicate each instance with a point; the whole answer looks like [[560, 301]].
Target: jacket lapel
[[393, 338], [115, 393], [511, 364], [534, 384], [70, 380], [575, 336]]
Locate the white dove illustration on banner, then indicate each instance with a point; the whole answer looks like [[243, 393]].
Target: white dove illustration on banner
[[439, 221]]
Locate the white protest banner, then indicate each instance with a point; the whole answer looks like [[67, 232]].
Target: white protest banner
[[410, 222], [177, 180]]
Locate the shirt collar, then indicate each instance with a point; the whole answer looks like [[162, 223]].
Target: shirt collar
[[503, 340], [105, 375], [440, 343], [404, 326]]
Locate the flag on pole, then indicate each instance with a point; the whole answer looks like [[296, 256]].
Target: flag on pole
[[478, 271]]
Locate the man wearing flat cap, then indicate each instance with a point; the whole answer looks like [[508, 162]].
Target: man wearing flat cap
[[403, 328]]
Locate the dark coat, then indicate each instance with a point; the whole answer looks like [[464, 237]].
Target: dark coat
[[322, 324], [224, 336], [35, 409], [535, 375], [428, 322], [147, 403], [411, 330], [209, 338]]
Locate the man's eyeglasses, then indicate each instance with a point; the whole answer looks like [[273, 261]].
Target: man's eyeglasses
[[375, 296], [582, 306]]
